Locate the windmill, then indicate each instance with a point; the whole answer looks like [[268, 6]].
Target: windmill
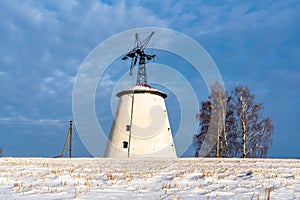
[[141, 126], [138, 56]]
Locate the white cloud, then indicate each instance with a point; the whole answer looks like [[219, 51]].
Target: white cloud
[[2, 73], [24, 120]]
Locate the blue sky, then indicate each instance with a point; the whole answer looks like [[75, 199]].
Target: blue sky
[[43, 43]]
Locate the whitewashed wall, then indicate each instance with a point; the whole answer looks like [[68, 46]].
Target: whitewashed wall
[[150, 131]]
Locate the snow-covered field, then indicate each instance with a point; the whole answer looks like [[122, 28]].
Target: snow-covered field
[[189, 178]]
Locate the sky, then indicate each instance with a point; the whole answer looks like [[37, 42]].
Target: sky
[[43, 43]]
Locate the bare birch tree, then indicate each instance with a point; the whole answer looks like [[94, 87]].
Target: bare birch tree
[[204, 121], [218, 98], [213, 128], [237, 122], [254, 130], [231, 129]]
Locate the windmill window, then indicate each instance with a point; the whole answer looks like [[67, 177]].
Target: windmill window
[[127, 127], [125, 144]]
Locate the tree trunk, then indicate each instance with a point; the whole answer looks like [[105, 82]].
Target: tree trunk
[[244, 144], [226, 142], [244, 127], [218, 145]]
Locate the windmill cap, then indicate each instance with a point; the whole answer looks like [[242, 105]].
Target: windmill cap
[[142, 88]]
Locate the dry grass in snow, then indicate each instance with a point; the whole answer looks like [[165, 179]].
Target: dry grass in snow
[[185, 178]]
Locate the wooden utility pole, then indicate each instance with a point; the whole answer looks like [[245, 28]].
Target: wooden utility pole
[[65, 145], [70, 132]]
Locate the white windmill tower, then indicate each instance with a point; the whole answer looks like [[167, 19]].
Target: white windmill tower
[[141, 126]]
